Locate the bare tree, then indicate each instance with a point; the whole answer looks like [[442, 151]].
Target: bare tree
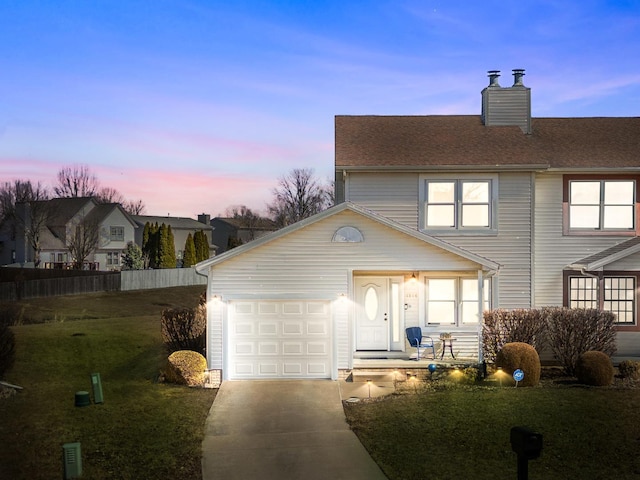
[[298, 195], [82, 240], [250, 221], [24, 207], [134, 207], [109, 195], [76, 181]]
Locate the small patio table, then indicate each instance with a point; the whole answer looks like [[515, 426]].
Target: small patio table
[[450, 340]]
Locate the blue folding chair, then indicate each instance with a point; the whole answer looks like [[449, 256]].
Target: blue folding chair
[[417, 340]]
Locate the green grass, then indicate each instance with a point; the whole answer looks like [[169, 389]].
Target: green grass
[[142, 430], [463, 432]]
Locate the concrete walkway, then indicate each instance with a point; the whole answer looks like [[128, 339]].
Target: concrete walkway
[[289, 429]]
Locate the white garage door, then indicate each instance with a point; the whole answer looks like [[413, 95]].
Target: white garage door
[[276, 339]]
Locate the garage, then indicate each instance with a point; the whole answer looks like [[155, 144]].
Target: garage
[[279, 339]]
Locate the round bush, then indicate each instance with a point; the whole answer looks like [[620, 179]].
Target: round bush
[[519, 355], [594, 368], [186, 367]]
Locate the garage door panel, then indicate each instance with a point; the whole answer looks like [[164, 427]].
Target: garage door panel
[[292, 328], [268, 328], [244, 328], [268, 348], [317, 328], [292, 348], [244, 348], [317, 348], [292, 308], [267, 308], [271, 339]]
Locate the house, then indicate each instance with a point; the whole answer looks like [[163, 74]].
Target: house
[[181, 228], [114, 229], [437, 218], [229, 232]]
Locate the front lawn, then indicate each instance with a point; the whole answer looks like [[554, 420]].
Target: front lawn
[[142, 430], [462, 432]]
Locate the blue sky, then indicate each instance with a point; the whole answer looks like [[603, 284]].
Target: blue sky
[[194, 106]]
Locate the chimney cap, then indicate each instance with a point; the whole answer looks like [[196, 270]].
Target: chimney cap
[[518, 73], [493, 78]]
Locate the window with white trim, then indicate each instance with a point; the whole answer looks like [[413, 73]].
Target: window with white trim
[[618, 296], [454, 301], [458, 204], [602, 205], [113, 259], [116, 234]]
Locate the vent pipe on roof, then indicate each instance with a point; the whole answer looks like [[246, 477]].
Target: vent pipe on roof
[[518, 73], [493, 78]]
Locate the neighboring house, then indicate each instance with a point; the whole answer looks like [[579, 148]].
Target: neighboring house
[[229, 232], [437, 219], [181, 228], [115, 230]]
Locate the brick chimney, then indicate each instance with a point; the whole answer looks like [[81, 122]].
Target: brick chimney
[[507, 106]]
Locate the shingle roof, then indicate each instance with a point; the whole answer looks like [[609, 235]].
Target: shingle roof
[[462, 140], [175, 222], [608, 255]]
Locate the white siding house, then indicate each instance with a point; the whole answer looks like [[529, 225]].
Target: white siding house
[[437, 218]]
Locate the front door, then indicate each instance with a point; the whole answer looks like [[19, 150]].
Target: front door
[[378, 315]]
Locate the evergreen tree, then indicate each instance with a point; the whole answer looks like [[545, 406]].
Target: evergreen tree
[[189, 257], [170, 260], [132, 258], [202, 246]]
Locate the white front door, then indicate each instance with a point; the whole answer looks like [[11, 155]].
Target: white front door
[[378, 316]]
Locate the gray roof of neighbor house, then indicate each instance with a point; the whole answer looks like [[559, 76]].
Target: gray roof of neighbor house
[[260, 224], [175, 222], [388, 142]]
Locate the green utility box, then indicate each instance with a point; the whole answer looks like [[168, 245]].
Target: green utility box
[[72, 458], [97, 388]]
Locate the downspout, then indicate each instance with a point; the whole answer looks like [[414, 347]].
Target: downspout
[[584, 272]]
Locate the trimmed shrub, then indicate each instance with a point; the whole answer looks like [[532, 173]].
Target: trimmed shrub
[[519, 355], [629, 369], [184, 328], [7, 349], [185, 367], [572, 332], [507, 326], [594, 368]]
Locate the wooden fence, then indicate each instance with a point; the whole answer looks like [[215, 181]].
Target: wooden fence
[[24, 284]]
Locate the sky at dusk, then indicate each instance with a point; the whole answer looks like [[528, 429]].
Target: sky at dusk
[[193, 106]]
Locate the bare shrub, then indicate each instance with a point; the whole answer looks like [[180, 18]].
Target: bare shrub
[[184, 328], [507, 326], [629, 369], [572, 332]]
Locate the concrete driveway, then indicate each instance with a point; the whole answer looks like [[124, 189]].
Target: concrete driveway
[[289, 429]]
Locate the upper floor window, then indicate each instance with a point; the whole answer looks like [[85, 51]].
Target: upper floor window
[[116, 234], [602, 206], [458, 204]]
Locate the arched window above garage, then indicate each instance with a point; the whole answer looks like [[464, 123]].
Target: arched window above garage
[[348, 235]]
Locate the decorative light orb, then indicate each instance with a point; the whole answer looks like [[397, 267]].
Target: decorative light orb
[[432, 367]]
